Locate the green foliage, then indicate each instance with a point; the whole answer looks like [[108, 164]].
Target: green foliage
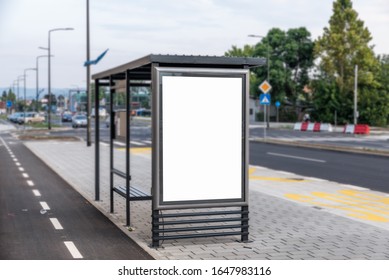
[[291, 56], [344, 44], [247, 51]]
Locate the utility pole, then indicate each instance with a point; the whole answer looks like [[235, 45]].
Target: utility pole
[[88, 93], [356, 114]]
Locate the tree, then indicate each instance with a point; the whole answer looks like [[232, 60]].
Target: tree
[[4, 96], [291, 57], [344, 44], [247, 51]]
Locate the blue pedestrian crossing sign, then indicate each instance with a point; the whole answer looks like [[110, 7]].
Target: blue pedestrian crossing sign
[[9, 103], [264, 99]]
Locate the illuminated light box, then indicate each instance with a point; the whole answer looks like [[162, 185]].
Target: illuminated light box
[[202, 138]]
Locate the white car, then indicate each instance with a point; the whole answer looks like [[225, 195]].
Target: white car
[[79, 121], [31, 117]]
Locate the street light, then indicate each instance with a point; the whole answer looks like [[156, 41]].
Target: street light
[[25, 101], [88, 93], [268, 68], [49, 72], [37, 78], [20, 78]]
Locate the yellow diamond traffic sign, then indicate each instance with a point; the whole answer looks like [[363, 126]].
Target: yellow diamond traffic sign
[[265, 87]]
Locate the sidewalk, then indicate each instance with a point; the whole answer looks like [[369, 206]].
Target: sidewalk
[[291, 217]]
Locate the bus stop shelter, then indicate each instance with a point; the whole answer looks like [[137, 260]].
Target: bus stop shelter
[[199, 122]]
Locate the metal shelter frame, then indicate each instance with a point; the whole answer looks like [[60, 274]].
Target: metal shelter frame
[[140, 73]]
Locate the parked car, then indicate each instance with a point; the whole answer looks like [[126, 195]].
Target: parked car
[[14, 117], [31, 117], [67, 117], [79, 121]]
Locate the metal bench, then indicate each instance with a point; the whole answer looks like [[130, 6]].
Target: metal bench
[[135, 194]]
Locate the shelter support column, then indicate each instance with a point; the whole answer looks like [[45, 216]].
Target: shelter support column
[[97, 142]]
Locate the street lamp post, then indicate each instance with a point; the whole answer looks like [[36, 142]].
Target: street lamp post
[[356, 95], [88, 93], [49, 73], [268, 69], [20, 78], [37, 78], [25, 100]]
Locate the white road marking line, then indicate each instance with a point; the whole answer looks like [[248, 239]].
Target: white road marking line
[[148, 142], [286, 173], [73, 250], [137, 143], [119, 143], [21, 169], [295, 157], [57, 225], [17, 163], [25, 175], [104, 144], [44, 205], [36, 192], [15, 159], [30, 183]]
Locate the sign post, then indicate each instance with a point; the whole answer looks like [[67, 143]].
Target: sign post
[[264, 99], [265, 87], [9, 105]]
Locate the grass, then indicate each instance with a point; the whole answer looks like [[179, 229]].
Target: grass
[[42, 125]]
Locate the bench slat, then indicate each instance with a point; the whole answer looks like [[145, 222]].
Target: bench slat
[[135, 194]]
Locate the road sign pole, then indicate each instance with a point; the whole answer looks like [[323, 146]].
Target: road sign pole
[[264, 122]]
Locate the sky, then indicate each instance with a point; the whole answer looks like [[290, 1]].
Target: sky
[[131, 29]]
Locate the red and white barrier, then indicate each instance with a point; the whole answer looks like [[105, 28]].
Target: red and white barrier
[[356, 129], [315, 127]]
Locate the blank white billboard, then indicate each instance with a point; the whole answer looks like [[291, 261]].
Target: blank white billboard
[[202, 138]]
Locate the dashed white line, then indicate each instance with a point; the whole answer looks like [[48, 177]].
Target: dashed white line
[[30, 183], [21, 169], [119, 143], [296, 157], [15, 159], [17, 163], [57, 225], [36, 192], [25, 175], [73, 250], [44, 205], [137, 143]]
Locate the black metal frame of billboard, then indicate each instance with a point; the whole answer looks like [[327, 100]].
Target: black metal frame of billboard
[[222, 219]]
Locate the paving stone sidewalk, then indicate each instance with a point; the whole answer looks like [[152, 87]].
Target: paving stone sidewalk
[[291, 217]]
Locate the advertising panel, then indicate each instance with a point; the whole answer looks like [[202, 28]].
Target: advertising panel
[[202, 147]]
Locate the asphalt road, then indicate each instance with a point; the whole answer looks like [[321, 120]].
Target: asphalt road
[[42, 217], [361, 170]]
